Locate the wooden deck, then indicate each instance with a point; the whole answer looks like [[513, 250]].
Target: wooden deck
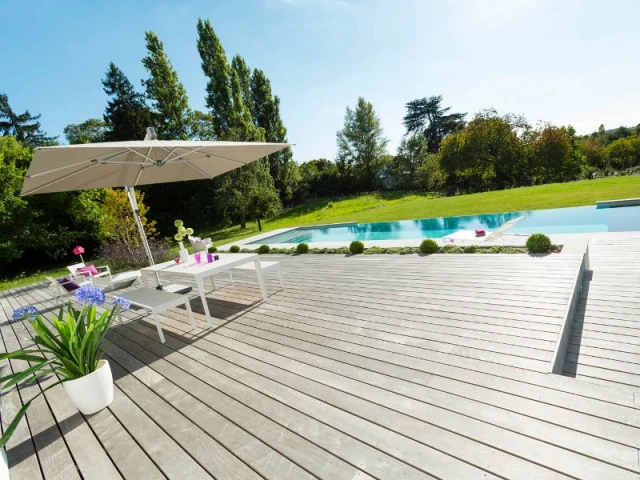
[[386, 367], [605, 345]]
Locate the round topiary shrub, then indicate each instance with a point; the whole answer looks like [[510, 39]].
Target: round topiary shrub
[[212, 249], [470, 249], [264, 249], [451, 249], [302, 248], [234, 249], [429, 246], [356, 247], [538, 243]]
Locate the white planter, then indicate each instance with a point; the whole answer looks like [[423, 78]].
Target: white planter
[[92, 392]]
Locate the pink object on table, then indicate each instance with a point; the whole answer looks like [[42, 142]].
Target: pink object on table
[[88, 271], [197, 257], [480, 232]]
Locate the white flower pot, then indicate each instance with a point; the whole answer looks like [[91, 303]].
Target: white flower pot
[[92, 392]]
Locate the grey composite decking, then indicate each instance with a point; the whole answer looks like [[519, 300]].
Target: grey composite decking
[[388, 366], [605, 344]]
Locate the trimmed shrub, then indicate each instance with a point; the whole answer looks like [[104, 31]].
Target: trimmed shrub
[[538, 243], [406, 251], [234, 249], [262, 249], [451, 249], [212, 249], [356, 247], [496, 249], [429, 246], [470, 249], [344, 250], [302, 248], [247, 250]]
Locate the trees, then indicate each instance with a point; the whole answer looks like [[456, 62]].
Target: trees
[[428, 117], [319, 178], [215, 67], [554, 155], [412, 153], [486, 155], [24, 126], [361, 144], [90, 131], [623, 153], [172, 114], [266, 114], [127, 113]]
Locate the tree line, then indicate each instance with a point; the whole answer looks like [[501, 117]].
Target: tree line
[[441, 152]]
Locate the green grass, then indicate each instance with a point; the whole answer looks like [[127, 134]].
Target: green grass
[[23, 279], [397, 206], [394, 206]]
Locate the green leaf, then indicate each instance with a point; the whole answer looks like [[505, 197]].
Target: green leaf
[[19, 376]]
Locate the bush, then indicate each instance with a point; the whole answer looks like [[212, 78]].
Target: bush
[[428, 246], [451, 249], [538, 243], [302, 248], [212, 249], [234, 249], [496, 249], [406, 251], [356, 247], [470, 249], [264, 249], [375, 251]]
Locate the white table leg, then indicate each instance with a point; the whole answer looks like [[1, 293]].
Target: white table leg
[[187, 304], [213, 283], [156, 319], [263, 287], [203, 297]]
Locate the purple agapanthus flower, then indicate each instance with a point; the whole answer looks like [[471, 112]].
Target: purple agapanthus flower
[[123, 303], [90, 295], [29, 312]]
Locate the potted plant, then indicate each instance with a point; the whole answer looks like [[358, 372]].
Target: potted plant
[[179, 236], [71, 349]]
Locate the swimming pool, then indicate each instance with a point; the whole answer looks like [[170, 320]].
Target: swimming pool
[[559, 220]]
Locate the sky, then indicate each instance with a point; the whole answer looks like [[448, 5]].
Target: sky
[[559, 61]]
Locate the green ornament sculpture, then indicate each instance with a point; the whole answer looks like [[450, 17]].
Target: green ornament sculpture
[[182, 232], [179, 236]]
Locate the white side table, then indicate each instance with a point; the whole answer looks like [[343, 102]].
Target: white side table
[[157, 301]]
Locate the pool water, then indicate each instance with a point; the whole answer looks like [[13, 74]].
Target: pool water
[[559, 220]]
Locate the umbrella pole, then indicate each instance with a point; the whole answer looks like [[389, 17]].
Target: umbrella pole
[[131, 193]]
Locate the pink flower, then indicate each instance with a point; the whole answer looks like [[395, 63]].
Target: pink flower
[[78, 250]]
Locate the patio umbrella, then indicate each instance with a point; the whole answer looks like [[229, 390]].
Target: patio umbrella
[[128, 164]]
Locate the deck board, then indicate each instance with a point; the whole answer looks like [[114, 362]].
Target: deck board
[[605, 341], [362, 367]]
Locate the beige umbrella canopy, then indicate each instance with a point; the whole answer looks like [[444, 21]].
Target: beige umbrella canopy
[[128, 164]]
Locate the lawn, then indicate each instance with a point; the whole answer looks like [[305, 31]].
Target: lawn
[[396, 206], [393, 206]]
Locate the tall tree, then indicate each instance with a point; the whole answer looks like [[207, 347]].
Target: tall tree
[[266, 114], [164, 89], [215, 67], [90, 131], [361, 145], [127, 112], [24, 126], [428, 117], [244, 76]]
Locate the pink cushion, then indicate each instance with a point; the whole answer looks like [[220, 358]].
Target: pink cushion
[[480, 232], [88, 271]]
